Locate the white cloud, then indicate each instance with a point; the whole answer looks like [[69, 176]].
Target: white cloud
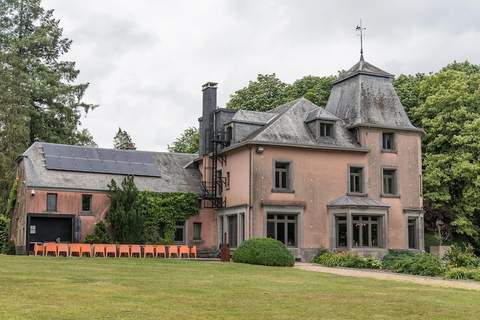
[[146, 60]]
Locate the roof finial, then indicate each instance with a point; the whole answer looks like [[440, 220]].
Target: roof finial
[[360, 28]]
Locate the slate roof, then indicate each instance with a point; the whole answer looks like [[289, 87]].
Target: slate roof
[[253, 116], [363, 67], [288, 127], [356, 201], [173, 177], [320, 114], [365, 95]]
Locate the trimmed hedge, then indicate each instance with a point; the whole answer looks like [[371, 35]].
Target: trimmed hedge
[[348, 260], [463, 273], [422, 264], [263, 251]]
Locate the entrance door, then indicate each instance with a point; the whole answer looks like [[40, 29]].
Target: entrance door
[[232, 231], [49, 229]]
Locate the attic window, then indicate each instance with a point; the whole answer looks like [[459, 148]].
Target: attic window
[[326, 129], [228, 135], [388, 141]]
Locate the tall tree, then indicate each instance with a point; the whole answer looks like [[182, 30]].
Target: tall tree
[[314, 88], [265, 93], [123, 141], [188, 142], [448, 109], [39, 99]]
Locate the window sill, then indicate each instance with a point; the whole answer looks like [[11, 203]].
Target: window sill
[[389, 151], [87, 213], [382, 195], [200, 241], [282, 191], [357, 194]]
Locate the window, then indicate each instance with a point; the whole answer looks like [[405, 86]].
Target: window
[[326, 129], [388, 142], [242, 227], [356, 180], [412, 233], [389, 181], [282, 176], [283, 227], [197, 231], [227, 183], [228, 135], [179, 232], [366, 231], [51, 202], [341, 226], [232, 227], [86, 202]]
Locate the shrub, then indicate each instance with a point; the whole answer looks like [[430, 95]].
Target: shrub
[[423, 264], [394, 255], [100, 234], [263, 251], [462, 257], [463, 273], [348, 260], [4, 233]]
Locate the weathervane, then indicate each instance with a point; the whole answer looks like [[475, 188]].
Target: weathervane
[[360, 28]]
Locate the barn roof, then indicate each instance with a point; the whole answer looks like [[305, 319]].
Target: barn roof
[[87, 168]]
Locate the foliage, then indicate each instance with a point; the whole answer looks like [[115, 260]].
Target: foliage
[[188, 142], [123, 141], [4, 233], [38, 94], [125, 219], [263, 251], [314, 88], [422, 264], [265, 93], [463, 273], [100, 234], [348, 260], [446, 105], [462, 257], [162, 211], [12, 199]]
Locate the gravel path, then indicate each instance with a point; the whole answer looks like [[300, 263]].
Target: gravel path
[[381, 275]]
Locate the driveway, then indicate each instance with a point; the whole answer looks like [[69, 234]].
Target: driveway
[[383, 275]]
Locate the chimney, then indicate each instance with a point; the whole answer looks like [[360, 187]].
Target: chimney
[[207, 122]]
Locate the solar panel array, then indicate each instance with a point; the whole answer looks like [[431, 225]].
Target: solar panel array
[[84, 159]]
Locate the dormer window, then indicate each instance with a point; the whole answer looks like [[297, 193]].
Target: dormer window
[[388, 141], [326, 129], [229, 134]]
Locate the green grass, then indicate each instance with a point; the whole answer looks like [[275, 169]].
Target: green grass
[[59, 288]]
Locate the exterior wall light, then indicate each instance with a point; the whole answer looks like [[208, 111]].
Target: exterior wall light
[[259, 149]]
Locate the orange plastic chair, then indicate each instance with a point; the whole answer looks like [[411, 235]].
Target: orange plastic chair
[[172, 250], [135, 249], [75, 248], [148, 250], [99, 249], [111, 249], [184, 251], [193, 252], [123, 249], [50, 248], [160, 250], [85, 248], [37, 249], [62, 248]]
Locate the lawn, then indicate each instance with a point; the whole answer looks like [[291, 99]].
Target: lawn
[[85, 288]]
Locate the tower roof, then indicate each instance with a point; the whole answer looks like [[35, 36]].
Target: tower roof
[[365, 96], [363, 67]]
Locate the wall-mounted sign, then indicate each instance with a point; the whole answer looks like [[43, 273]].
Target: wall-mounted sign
[[33, 229]]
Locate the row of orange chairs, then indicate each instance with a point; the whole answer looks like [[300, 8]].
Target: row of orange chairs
[[113, 250]]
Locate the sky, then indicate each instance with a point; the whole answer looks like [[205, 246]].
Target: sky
[[147, 60]]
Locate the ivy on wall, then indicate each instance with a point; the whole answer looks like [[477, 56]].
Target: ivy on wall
[[146, 217], [162, 211]]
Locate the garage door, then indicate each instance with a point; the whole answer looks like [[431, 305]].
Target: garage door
[[49, 229]]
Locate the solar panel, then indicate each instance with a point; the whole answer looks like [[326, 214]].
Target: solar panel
[[87, 159]]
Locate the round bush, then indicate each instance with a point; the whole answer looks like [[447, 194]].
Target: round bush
[[263, 251]]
